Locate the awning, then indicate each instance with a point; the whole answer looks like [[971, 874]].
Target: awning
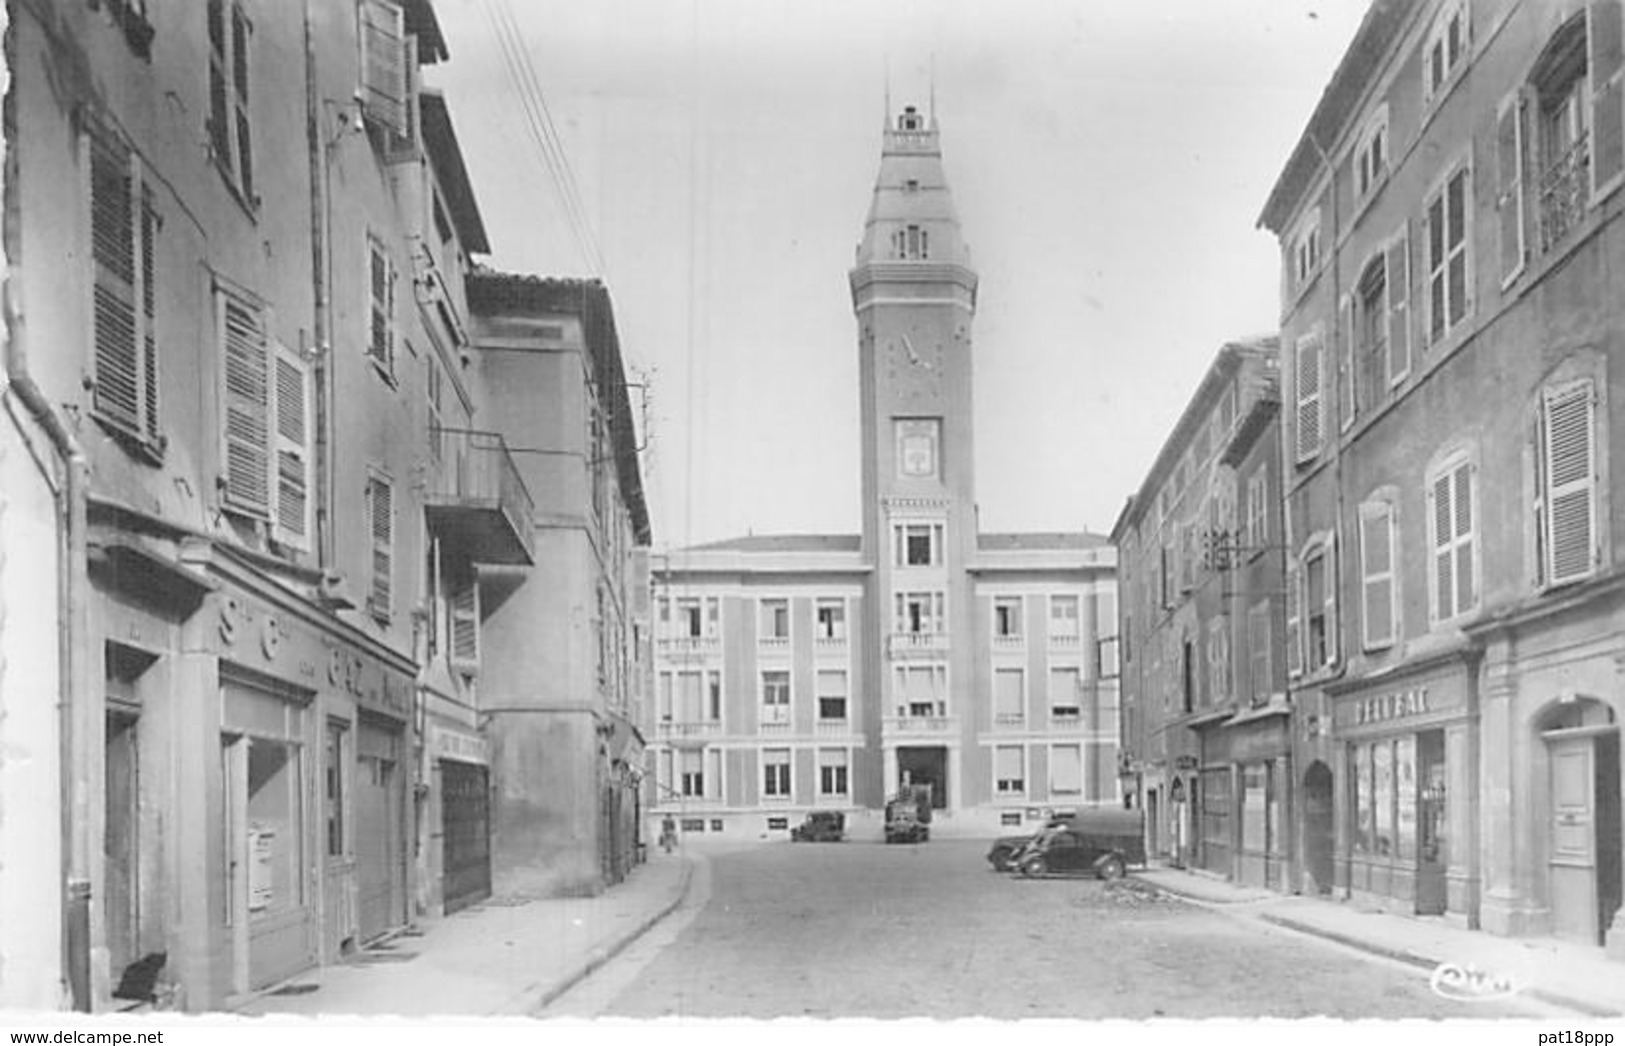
[[1261, 712]]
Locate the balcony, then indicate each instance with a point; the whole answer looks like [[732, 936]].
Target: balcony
[[772, 727], [830, 645], [1063, 641], [903, 645], [930, 727], [689, 648], [694, 732], [773, 645], [1009, 721], [476, 502], [832, 728], [1565, 186]]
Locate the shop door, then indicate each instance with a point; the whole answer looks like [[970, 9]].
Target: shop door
[[465, 834], [1432, 813], [1584, 866], [121, 841], [378, 833]]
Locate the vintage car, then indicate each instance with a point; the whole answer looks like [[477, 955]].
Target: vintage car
[[903, 825], [1097, 842], [1001, 855], [820, 826]]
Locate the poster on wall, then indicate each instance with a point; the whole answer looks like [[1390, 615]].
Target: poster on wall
[[261, 850]]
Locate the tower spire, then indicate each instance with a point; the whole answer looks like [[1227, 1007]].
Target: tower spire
[[931, 103], [885, 117]]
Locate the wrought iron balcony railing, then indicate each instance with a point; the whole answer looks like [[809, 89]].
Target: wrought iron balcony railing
[[476, 499], [1565, 187]]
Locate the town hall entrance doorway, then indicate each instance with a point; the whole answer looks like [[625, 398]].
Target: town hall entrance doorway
[[925, 766]]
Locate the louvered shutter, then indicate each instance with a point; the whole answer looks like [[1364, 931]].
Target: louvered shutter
[[465, 623], [1307, 379], [1345, 375], [1509, 185], [1466, 596], [1444, 584], [1329, 554], [383, 65], [1570, 473], [1294, 633], [381, 520], [149, 309], [247, 407], [1397, 286], [291, 523], [1606, 66], [381, 305], [1377, 575], [118, 350]]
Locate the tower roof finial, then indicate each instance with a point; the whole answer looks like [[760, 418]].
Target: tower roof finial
[[931, 106], [885, 117]]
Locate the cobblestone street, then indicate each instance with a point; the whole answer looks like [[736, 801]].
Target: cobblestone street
[[866, 930]]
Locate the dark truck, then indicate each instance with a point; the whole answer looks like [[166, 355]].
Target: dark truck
[[1101, 842], [821, 826], [1002, 855], [908, 815]]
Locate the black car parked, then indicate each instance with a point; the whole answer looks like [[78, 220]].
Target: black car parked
[[1003, 852], [820, 826], [1098, 842]]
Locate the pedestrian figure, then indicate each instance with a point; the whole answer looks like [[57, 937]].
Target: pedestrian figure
[[668, 834]]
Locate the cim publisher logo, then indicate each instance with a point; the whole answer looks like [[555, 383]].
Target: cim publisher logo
[[1469, 983]]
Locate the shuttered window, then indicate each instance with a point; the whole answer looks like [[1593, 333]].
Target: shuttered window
[[1008, 770], [1509, 160], [464, 606], [1294, 630], [1453, 566], [123, 227], [1066, 770], [384, 73], [230, 130], [1449, 271], [267, 396], [295, 473], [1258, 647], [1008, 699], [381, 525], [1348, 400], [1397, 287], [380, 306], [1606, 61], [1568, 481], [1377, 590], [1307, 380]]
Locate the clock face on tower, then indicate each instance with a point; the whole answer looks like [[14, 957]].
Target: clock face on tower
[[916, 357]]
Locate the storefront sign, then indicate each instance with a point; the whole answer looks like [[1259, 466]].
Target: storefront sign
[[1395, 705], [450, 743], [1186, 762]]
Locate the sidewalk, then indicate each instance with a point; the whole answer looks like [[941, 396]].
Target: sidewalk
[[1562, 974], [493, 959]]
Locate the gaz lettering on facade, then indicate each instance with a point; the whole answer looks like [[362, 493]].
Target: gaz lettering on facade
[[1391, 706]]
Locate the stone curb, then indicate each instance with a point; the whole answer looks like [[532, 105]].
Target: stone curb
[[1411, 958], [538, 997]]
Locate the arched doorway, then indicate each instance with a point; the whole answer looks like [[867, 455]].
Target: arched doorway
[[1583, 852], [1319, 828]]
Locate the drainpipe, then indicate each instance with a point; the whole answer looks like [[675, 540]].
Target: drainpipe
[[317, 142], [73, 589]]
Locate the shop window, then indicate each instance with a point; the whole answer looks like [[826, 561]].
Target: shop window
[[335, 760]]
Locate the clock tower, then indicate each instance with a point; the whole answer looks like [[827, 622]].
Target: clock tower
[[914, 295]]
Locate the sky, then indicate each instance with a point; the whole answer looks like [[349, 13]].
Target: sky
[[1108, 160]]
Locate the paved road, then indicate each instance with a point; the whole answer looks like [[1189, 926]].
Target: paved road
[[868, 930]]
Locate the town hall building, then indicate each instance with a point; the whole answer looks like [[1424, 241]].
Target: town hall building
[[825, 672]]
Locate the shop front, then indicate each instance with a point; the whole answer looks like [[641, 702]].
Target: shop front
[[1245, 790], [1405, 811], [462, 774]]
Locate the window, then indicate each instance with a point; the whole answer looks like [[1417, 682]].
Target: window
[[776, 773], [775, 697], [1258, 535], [921, 612], [388, 62], [435, 394], [918, 544], [1065, 694], [1009, 696], [832, 772], [1562, 126], [921, 689], [1106, 657], [1009, 775], [1566, 482], [1218, 660], [1319, 605], [912, 242], [334, 760], [831, 685], [1063, 619], [381, 306], [1306, 250], [1378, 589], [464, 604], [1446, 47], [123, 232], [1371, 156], [1449, 275], [831, 618], [1066, 770], [1452, 566], [775, 619], [1007, 616], [1258, 652], [229, 138], [1509, 182], [1306, 377], [691, 767], [381, 524], [267, 438]]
